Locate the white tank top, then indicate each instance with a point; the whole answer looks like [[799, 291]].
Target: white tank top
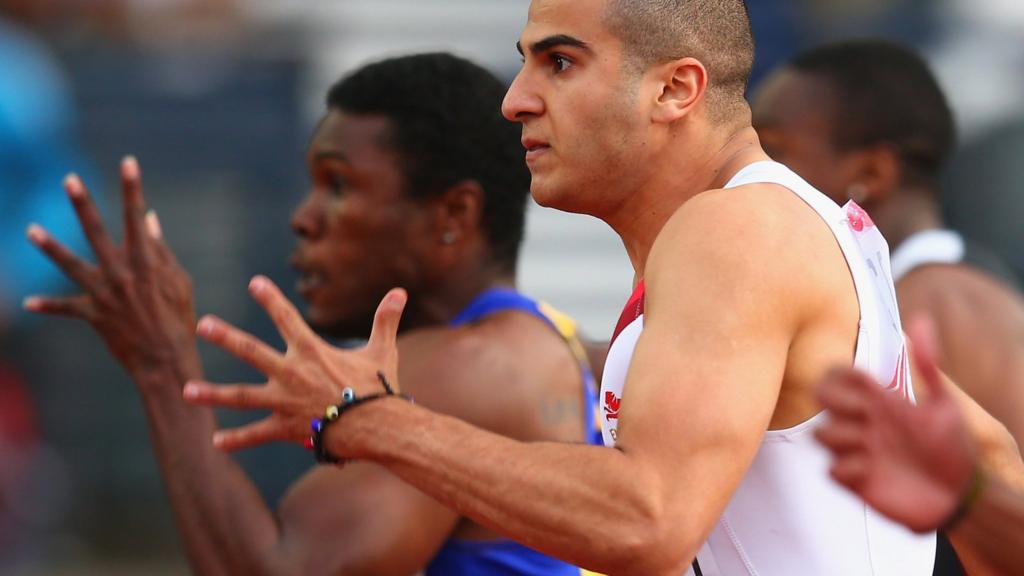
[[788, 517]]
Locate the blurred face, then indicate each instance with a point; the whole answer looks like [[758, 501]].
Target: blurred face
[[359, 235], [793, 115], [582, 128]]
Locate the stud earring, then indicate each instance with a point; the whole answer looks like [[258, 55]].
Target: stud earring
[[448, 238]]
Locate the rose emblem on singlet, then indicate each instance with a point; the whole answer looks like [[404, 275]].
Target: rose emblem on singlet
[[858, 217], [611, 406]]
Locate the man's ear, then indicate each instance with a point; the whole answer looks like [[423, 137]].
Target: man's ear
[[457, 212], [877, 173], [683, 84]]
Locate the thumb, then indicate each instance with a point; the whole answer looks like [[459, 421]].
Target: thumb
[[386, 320], [924, 344]]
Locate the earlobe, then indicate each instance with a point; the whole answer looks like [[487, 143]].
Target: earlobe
[[459, 210], [684, 84]]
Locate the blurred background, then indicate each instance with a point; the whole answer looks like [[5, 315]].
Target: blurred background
[[217, 99]]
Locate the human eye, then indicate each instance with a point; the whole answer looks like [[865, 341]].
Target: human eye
[[336, 184], [560, 63], [330, 180]]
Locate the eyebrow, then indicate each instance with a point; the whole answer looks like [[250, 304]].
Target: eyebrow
[[555, 41], [329, 155]]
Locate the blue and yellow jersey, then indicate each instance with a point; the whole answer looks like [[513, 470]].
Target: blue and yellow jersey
[[505, 557]]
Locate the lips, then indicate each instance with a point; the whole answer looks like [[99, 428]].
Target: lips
[[309, 282], [535, 148], [311, 278]]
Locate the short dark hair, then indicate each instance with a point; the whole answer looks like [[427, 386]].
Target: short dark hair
[[715, 32], [447, 127], [886, 94]]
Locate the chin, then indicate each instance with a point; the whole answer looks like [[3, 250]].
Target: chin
[[545, 192], [558, 196]]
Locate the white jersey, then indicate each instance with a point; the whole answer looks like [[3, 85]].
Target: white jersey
[[788, 517]]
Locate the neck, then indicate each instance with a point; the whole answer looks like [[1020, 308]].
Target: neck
[[455, 290], [907, 213], [707, 164]]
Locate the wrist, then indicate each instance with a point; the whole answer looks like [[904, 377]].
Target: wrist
[[170, 373], [320, 427], [358, 434], [968, 498]]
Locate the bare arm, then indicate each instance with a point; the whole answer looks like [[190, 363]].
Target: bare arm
[[358, 520], [994, 529], [915, 463], [643, 508], [355, 521]]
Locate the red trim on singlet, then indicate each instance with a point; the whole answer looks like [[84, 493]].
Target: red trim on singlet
[[899, 379], [633, 310]]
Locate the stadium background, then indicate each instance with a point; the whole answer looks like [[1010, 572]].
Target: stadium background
[[217, 99]]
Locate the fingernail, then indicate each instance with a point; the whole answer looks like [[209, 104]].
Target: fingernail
[[153, 225], [399, 298], [73, 186], [257, 284], [31, 303], [36, 233], [218, 440], [205, 326], [191, 391], [130, 167]]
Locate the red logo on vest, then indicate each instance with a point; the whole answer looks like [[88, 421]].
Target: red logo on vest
[[858, 217], [611, 406]]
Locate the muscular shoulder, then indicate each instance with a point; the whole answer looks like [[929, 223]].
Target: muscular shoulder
[[510, 373], [759, 238]]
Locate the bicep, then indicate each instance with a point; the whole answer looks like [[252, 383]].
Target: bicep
[[361, 519], [707, 370], [698, 407]]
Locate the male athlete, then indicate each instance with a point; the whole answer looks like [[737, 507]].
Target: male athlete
[[417, 181], [866, 120], [750, 285]]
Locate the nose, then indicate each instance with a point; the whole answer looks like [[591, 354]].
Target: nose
[[307, 219], [521, 101]]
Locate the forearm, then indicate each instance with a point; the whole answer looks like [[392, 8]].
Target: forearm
[[999, 457], [591, 506], [225, 525], [993, 532]]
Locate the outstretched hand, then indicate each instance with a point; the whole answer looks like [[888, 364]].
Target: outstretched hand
[[137, 296], [304, 380], [911, 463]]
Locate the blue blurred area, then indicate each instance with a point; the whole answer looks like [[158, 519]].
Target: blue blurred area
[[37, 149]]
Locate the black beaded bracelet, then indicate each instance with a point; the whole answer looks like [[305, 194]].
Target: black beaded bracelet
[[349, 400]]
